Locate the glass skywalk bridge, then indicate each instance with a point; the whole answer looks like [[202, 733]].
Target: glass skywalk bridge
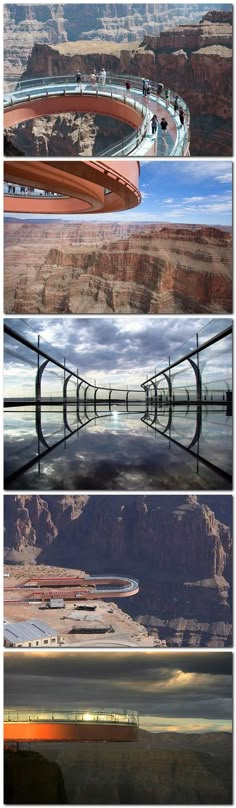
[[24, 94]]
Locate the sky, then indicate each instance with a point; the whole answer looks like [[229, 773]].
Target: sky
[[117, 350], [177, 191], [184, 692]]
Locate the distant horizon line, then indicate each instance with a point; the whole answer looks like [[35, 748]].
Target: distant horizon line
[[38, 219]]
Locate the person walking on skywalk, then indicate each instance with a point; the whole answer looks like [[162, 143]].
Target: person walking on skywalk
[[154, 123]]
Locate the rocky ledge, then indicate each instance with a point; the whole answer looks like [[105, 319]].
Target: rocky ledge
[[194, 60], [58, 268], [180, 549]]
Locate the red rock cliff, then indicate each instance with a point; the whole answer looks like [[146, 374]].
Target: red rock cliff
[[150, 268]]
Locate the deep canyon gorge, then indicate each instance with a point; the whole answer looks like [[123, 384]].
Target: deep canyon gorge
[[55, 267], [180, 549], [194, 59]]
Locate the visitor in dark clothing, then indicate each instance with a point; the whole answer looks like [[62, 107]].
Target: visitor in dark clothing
[[154, 123], [164, 125]]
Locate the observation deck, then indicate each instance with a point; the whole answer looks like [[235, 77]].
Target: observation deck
[[30, 726], [71, 186], [74, 588], [55, 95]]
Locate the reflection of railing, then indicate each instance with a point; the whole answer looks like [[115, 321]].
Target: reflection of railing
[[87, 715], [81, 412], [115, 88], [154, 417], [87, 401]]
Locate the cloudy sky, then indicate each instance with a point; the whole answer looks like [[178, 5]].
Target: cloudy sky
[[117, 350], [181, 191], [185, 692]]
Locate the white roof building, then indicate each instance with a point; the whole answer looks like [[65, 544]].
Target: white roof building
[[29, 634]]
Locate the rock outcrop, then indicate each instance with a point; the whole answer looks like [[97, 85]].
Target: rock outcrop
[[194, 60], [58, 268], [31, 779], [24, 25], [178, 547], [84, 135], [160, 768]]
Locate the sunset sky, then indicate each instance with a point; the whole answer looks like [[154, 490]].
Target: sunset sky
[[183, 691]]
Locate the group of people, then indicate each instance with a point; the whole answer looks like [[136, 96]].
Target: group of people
[[163, 125], [95, 78], [24, 190], [100, 78]]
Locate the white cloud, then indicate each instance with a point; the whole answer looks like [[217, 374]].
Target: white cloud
[[227, 177], [145, 195], [193, 198]]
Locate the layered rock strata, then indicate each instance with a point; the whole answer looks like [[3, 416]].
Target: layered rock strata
[[53, 24], [59, 268], [180, 549], [194, 60], [84, 135]]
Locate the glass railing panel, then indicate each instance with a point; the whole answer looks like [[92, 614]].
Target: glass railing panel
[[212, 329], [86, 716], [113, 85], [215, 443], [53, 425], [20, 437], [183, 425], [215, 364], [189, 345]]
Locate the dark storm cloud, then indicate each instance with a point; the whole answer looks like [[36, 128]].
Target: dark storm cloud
[[164, 684], [120, 344], [119, 664]]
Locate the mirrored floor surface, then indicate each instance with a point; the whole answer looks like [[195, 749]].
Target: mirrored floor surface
[[72, 449]]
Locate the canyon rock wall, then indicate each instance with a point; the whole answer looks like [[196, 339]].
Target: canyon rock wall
[[151, 771], [29, 776], [57, 267], [84, 135], [53, 24], [197, 769], [180, 548], [195, 61]]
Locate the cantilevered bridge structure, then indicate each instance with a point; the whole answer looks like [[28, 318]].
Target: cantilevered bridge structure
[[172, 402], [42, 589], [71, 186], [55, 95], [35, 725]]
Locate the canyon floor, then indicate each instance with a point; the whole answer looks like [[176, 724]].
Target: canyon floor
[[55, 267]]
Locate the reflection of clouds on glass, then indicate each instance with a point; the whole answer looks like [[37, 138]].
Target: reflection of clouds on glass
[[121, 451]]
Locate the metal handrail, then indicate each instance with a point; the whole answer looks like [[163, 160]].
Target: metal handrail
[[126, 145], [87, 715]]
